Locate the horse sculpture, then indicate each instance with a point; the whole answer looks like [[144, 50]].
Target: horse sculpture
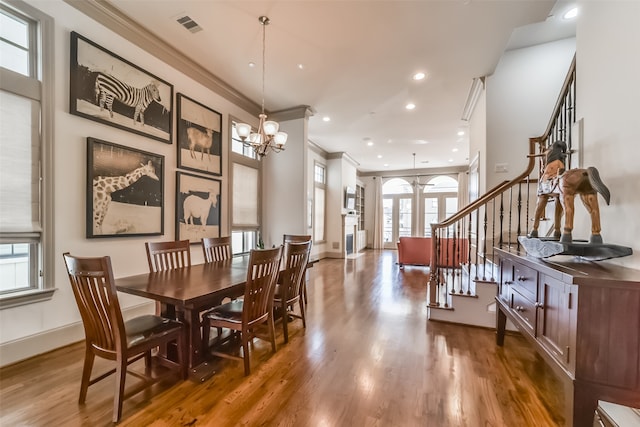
[[564, 185]]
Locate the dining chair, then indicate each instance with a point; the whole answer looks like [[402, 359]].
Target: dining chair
[[245, 315], [289, 286], [108, 336], [216, 248], [168, 255], [298, 238]]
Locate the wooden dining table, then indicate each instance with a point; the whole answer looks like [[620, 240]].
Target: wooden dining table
[[186, 292]]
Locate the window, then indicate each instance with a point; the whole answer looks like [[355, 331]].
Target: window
[[397, 206], [245, 196], [440, 201], [319, 201], [26, 117], [237, 146]]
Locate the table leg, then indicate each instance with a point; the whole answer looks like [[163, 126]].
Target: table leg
[[191, 319]]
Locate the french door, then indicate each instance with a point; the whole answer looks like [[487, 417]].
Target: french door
[[397, 214]]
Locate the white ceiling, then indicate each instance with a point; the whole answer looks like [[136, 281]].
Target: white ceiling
[[358, 58]]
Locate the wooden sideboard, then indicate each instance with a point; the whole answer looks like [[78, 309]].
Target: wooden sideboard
[[583, 318]]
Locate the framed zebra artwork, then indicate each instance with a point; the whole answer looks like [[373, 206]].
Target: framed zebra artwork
[[199, 137], [109, 89], [197, 207], [125, 191]]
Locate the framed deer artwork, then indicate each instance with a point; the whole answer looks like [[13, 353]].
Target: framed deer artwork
[[109, 89], [125, 195], [199, 137], [197, 207]]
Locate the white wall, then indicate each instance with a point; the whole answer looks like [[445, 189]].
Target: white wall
[[608, 66], [284, 204], [478, 140], [521, 95], [27, 326]]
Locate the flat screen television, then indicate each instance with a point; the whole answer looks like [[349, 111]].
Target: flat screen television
[[349, 198]]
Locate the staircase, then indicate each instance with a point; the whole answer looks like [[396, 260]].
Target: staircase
[[464, 291]]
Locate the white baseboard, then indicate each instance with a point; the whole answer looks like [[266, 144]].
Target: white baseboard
[[43, 342]]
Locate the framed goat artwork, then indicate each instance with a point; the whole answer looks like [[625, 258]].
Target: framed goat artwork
[[197, 207], [124, 191], [199, 137], [111, 90]]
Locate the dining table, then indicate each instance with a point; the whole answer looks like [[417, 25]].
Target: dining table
[[186, 292]]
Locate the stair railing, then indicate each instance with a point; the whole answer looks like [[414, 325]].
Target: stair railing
[[467, 239]]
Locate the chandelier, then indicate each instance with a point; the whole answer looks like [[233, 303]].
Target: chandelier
[[267, 137]]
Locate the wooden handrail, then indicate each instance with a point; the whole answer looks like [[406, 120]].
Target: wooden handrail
[[537, 143]]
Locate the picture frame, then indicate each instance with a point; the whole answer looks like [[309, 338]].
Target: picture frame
[[125, 191], [199, 137], [198, 207], [107, 88]]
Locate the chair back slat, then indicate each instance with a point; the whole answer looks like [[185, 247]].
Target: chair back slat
[[216, 248], [262, 273], [296, 256], [164, 256], [95, 293]]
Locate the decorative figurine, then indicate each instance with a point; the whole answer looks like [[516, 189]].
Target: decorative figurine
[[564, 185]]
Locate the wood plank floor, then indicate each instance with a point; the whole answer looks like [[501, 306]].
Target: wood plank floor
[[368, 357]]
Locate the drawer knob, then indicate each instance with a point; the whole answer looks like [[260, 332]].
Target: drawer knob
[[540, 305], [519, 308], [508, 282], [522, 278]]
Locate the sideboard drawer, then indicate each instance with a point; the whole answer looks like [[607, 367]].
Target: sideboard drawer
[[525, 280], [525, 309]]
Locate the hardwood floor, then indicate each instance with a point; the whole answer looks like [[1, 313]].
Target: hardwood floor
[[368, 357]]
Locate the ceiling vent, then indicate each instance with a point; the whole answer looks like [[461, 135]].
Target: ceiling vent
[[189, 23]]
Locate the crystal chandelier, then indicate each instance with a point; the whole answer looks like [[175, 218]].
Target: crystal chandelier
[[267, 137]]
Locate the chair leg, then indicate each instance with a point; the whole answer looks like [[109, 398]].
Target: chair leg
[[302, 314], [285, 321], [272, 330], [245, 353], [121, 373], [86, 374], [147, 363]]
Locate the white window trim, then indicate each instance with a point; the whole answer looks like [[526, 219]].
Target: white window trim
[[46, 45]]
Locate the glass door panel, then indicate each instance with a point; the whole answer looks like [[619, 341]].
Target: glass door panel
[[404, 218], [430, 214], [387, 208]]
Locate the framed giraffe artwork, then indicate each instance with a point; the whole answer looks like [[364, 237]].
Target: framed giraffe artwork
[[107, 88], [197, 207], [199, 137], [125, 191]]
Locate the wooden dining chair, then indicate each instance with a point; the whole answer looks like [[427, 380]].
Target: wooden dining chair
[[216, 248], [290, 281], [168, 255], [108, 336], [298, 238], [245, 315]]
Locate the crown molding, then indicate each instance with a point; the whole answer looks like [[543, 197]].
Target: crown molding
[[108, 15], [293, 113]]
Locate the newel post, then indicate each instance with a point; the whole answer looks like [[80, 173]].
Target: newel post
[[433, 274]]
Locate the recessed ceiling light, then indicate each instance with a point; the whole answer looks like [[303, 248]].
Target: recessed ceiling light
[[460, 132], [300, 66], [422, 142], [419, 76], [379, 156], [252, 64], [455, 150], [571, 13], [386, 165], [410, 106], [370, 143], [450, 160], [326, 119]]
